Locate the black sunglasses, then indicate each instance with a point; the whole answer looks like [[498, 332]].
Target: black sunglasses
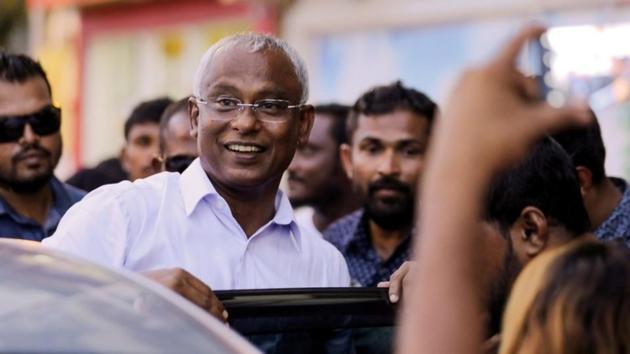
[[43, 122], [178, 163]]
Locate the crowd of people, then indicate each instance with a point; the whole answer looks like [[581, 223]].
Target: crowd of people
[[492, 220]]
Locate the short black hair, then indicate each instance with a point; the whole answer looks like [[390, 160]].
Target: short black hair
[[390, 98], [146, 112], [171, 110], [546, 180], [339, 114], [585, 147], [18, 68]]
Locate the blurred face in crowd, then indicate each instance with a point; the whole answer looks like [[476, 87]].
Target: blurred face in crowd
[[244, 149], [524, 240], [140, 149], [385, 161], [178, 140], [180, 148], [315, 174], [27, 164], [502, 267]]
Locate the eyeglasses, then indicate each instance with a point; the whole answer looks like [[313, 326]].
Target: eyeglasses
[[269, 110], [178, 163], [43, 122]]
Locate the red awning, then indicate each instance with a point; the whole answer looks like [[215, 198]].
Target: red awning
[[56, 3]]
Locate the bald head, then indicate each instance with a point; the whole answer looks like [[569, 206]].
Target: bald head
[[252, 43]]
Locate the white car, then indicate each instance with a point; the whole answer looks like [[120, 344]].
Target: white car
[[52, 303]]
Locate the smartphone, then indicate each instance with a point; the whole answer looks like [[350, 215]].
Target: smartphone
[[582, 63]]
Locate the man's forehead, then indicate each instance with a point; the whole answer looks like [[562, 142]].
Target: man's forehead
[[392, 127], [239, 69], [23, 97], [178, 124], [144, 128], [322, 128]]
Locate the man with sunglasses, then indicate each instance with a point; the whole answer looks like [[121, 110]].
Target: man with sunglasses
[[32, 199], [178, 148], [223, 222]]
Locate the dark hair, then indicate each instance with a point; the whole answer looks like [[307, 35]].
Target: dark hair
[[171, 110], [546, 180], [390, 98], [147, 112], [19, 68], [585, 147], [339, 113]]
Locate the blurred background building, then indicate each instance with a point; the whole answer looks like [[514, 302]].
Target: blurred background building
[[104, 56]]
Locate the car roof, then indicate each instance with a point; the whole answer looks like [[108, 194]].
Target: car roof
[[51, 302]]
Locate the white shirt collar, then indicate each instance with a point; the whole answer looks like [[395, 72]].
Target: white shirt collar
[[195, 185]]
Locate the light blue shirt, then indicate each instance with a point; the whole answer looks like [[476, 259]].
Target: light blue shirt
[[172, 220]]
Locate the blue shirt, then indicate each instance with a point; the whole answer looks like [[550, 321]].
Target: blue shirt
[[617, 226], [351, 236], [14, 225]]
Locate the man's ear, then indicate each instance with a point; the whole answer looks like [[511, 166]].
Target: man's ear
[[193, 113], [307, 116], [585, 178], [345, 155], [534, 231]]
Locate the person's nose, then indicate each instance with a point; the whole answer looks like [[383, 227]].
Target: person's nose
[[245, 120], [389, 164], [28, 135]]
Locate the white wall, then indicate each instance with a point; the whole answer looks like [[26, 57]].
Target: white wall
[[351, 45]]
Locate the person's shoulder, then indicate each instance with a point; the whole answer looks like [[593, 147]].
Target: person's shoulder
[[303, 212], [304, 219], [327, 260], [73, 192], [341, 231], [142, 191], [320, 247]]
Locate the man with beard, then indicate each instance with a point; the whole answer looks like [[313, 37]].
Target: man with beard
[[32, 200], [317, 182], [389, 129], [533, 207]]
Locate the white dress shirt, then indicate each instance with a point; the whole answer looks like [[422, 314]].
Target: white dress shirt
[[304, 219], [172, 220]]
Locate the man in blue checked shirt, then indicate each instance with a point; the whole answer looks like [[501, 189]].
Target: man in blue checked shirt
[[389, 129]]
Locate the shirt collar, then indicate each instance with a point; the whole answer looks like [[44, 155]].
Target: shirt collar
[[284, 210], [195, 185]]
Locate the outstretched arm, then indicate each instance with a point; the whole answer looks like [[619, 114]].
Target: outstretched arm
[[490, 120]]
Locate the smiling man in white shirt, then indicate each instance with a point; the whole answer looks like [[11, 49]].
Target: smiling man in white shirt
[[223, 220]]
